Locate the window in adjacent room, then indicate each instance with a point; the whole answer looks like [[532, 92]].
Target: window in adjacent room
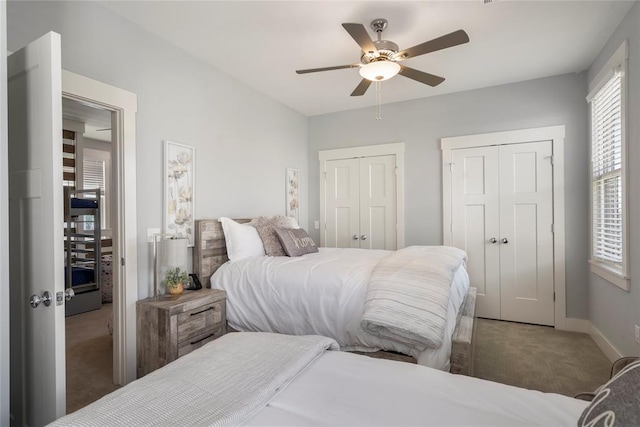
[[96, 165], [609, 230]]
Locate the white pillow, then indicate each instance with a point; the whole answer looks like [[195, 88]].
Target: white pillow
[[242, 240]]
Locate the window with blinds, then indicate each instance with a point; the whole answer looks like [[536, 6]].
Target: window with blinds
[[608, 193], [606, 168], [94, 175]]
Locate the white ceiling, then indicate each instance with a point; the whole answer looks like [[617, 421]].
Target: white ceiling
[[262, 43], [97, 122]]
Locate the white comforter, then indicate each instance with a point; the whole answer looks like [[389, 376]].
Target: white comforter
[[223, 383], [321, 294], [264, 379]]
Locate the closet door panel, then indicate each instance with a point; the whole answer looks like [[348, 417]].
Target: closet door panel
[[342, 202], [475, 221], [378, 202], [526, 215]]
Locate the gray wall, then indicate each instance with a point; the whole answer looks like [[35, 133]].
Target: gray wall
[[611, 310], [421, 123], [244, 141]]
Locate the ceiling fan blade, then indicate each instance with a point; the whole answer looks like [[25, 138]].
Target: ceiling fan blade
[[337, 67], [421, 76], [448, 40], [360, 35], [362, 88]]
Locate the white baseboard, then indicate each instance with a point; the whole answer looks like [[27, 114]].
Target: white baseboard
[[576, 325], [605, 345]]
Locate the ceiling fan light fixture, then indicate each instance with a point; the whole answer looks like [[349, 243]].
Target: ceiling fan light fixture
[[379, 71]]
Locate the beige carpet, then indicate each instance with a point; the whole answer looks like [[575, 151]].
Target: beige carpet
[[89, 358], [538, 357]]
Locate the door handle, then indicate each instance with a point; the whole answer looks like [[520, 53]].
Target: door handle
[[68, 294], [363, 237], [493, 240], [504, 240], [355, 237], [45, 299]]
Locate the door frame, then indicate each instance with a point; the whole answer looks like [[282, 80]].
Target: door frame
[[125, 257], [555, 134], [396, 149], [4, 227]]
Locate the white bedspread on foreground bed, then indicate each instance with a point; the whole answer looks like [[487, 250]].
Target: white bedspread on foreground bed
[[265, 379], [321, 293]]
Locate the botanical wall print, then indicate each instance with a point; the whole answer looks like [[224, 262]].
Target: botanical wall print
[[179, 191], [293, 194]]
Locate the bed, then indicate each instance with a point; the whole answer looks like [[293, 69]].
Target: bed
[[324, 293], [268, 379]]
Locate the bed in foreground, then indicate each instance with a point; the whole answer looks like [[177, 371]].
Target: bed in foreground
[[350, 295], [269, 379]]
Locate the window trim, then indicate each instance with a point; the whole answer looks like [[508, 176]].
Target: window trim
[[609, 272]]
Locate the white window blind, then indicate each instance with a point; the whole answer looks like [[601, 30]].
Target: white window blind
[[93, 174], [93, 177], [607, 173]]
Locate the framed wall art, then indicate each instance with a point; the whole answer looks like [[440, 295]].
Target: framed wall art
[[293, 194], [179, 189]]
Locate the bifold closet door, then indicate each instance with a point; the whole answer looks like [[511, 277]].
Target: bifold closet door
[[502, 215], [361, 203], [342, 203], [475, 198], [526, 234]]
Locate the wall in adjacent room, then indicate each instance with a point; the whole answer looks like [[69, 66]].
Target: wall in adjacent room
[[613, 311], [421, 123], [244, 140]]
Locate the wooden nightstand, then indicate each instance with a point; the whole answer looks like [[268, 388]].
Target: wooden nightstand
[[171, 327]]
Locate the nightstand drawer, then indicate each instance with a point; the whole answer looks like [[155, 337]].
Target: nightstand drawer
[[187, 347], [199, 321]]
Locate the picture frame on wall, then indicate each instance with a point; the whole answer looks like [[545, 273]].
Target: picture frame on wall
[[293, 194], [179, 189]]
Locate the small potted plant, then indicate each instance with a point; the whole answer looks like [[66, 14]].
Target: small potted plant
[[176, 280]]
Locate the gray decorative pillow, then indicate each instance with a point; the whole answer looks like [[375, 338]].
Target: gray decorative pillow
[[266, 226], [616, 403], [296, 241]]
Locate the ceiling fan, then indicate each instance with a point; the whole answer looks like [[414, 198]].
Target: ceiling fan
[[380, 59]]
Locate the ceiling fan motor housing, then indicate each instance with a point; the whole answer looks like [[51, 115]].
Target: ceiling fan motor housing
[[386, 50]]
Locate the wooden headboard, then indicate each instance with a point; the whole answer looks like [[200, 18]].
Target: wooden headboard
[[210, 249]]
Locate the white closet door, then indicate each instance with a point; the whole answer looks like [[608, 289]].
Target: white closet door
[[378, 202], [475, 221], [342, 206], [526, 245]]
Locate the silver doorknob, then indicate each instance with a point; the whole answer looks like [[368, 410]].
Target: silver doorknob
[[35, 300], [363, 237], [45, 299], [504, 240], [493, 240], [355, 237], [68, 294]]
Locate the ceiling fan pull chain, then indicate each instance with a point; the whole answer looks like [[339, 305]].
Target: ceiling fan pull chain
[[378, 101]]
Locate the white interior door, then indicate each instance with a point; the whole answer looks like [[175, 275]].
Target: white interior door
[[342, 203], [502, 215], [378, 202], [36, 234], [361, 203], [526, 237], [475, 200]]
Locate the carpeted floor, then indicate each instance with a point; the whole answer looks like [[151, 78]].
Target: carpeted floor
[[538, 357], [89, 358]]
